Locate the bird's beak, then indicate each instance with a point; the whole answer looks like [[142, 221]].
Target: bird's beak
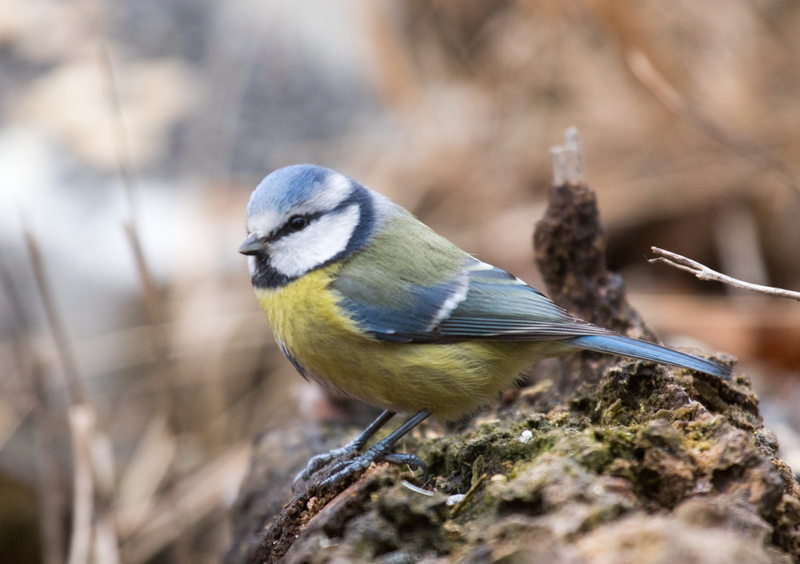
[[252, 246]]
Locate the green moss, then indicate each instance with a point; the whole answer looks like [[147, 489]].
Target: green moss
[[585, 448], [540, 483]]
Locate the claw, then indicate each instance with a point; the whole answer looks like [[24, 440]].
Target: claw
[[347, 468], [379, 452], [344, 470], [413, 462], [320, 461]]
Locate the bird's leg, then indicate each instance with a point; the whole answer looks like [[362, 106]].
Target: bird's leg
[[355, 445], [380, 452]]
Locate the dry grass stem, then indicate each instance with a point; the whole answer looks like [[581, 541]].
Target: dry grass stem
[[65, 353], [30, 368], [82, 420], [159, 339], [121, 145], [144, 474], [149, 289], [193, 499]]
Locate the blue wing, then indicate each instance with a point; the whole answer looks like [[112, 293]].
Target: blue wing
[[501, 306], [477, 302], [481, 302], [409, 312]]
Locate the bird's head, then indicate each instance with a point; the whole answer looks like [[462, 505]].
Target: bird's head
[[303, 217]]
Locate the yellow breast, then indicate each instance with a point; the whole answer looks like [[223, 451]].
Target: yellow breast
[[448, 380]]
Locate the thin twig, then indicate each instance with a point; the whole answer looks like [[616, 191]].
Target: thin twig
[[144, 474], [83, 428], [155, 315], [81, 418], [81, 424], [121, 145], [52, 497], [191, 500], [15, 386], [704, 273], [66, 356], [107, 540], [51, 494], [21, 348]]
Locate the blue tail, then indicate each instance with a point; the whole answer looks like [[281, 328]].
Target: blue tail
[[617, 344]]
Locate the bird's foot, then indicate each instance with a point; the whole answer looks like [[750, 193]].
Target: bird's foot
[[321, 460], [345, 469], [379, 452]]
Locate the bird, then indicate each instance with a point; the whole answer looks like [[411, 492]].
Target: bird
[[365, 299]]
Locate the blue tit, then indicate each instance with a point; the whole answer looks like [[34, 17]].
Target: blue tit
[[367, 300]]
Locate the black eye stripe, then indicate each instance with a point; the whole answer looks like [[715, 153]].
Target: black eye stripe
[[287, 228]]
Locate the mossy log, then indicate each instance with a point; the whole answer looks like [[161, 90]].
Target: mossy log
[[600, 460]]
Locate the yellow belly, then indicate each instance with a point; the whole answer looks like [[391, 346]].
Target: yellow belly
[[448, 380]]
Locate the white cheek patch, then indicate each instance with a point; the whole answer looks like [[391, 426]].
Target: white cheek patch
[[326, 237]]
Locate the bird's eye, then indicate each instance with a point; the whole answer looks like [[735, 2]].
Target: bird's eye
[[298, 222]]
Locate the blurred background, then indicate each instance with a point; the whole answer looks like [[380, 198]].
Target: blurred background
[[136, 365]]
